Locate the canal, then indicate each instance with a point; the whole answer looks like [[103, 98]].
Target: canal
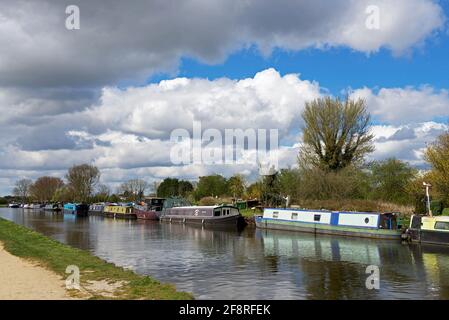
[[251, 264]]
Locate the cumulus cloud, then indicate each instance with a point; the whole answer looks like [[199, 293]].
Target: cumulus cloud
[[406, 142], [130, 41], [405, 105], [126, 133]]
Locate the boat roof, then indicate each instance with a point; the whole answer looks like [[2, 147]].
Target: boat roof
[[438, 218], [325, 210], [202, 207]]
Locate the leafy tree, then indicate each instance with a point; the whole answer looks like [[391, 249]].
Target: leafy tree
[[437, 154], [289, 181], [254, 190], [214, 185], [184, 187], [44, 188], [236, 185], [335, 133], [82, 180], [63, 194], [3, 201], [391, 178], [171, 187], [113, 198], [22, 189]]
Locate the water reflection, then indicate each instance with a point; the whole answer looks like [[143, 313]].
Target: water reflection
[[252, 264]]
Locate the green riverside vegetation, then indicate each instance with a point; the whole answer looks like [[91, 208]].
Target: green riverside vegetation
[[28, 244]]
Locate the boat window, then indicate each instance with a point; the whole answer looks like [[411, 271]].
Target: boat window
[[275, 215], [294, 215], [441, 225], [217, 212], [366, 220], [317, 217]]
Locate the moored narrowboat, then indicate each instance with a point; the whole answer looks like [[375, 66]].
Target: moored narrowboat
[[356, 224], [119, 212], [78, 209], [427, 229], [52, 207], [204, 215], [150, 209], [96, 209]]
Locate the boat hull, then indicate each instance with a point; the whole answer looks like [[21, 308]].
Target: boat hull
[[146, 214], [429, 236], [222, 220], [115, 215], [328, 229], [78, 210]]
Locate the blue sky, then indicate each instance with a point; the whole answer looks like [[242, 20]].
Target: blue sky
[[336, 69]]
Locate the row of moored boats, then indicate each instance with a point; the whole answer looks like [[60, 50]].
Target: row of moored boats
[[424, 229]]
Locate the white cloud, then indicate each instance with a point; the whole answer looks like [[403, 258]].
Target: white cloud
[[126, 134], [404, 105]]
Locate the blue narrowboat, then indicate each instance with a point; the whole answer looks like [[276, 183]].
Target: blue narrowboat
[[356, 224], [76, 208]]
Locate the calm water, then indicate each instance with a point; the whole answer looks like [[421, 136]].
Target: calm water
[[252, 264]]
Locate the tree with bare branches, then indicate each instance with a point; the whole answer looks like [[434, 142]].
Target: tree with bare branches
[[22, 189], [82, 180], [336, 133]]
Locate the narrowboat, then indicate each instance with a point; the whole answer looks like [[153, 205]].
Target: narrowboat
[[52, 207], [427, 229], [13, 205], [36, 206], [356, 224], [150, 209], [119, 212], [76, 208], [96, 209], [204, 215]]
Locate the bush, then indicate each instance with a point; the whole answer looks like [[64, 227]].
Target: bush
[[437, 207], [208, 201], [3, 201], [445, 212]]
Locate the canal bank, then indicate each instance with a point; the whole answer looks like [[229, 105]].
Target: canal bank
[[39, 256]]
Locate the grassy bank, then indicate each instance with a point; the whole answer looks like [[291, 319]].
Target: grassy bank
[[99, 279]]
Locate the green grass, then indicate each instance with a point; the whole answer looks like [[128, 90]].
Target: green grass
[[25, 243]]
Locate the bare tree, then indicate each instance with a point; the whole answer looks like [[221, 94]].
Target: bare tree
[[336, 133], [82, 180], [44, 188], [22, 189], [134, 189]]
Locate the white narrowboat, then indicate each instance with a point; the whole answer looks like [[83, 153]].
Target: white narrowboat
[[356, 224]]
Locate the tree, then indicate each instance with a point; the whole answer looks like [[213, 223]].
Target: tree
[[236, 185], [171, 187], [44, 188], [289, 181], [134, 189], [437, 154], [391, 179], [82, 180], [102, 194], [22, 189], [335, 133], [254, 191], [214, 185]]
